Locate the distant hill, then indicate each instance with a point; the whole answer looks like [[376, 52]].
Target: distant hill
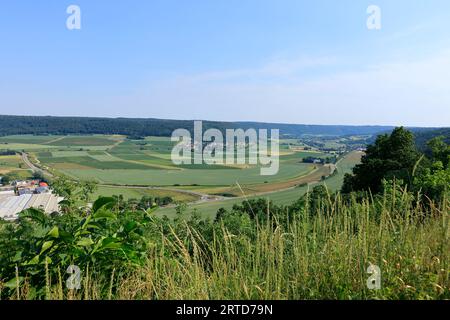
[[423, 136], [304, 129], [39, 125]]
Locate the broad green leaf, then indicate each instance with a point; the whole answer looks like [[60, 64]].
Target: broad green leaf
[[35, 260], [104, 215], [103, 202], [47, 245], [12, 284], [34, 272], [54, 233], [85, 242], [48, 260], [92, 226], [110, 243]]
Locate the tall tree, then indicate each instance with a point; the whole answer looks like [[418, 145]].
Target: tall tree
[[434, 180], [393, 155]]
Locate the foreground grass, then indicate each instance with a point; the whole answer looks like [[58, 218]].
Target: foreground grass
[[321, 258], [320, 254]]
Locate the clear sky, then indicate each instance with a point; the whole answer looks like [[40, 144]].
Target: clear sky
[[291, 61]]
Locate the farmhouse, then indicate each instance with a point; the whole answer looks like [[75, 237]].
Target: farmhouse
[[30, 187]]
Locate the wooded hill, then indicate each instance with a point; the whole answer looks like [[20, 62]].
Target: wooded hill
[[40, 125]]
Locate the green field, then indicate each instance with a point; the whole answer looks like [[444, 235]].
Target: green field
[[83, 141], [58, 143], [137, 193], [206, 177], [282, 197], [12, 162], [26, 139], [117, 161], [13, 165]]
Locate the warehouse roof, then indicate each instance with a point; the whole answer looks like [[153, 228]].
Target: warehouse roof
[[12, 205]]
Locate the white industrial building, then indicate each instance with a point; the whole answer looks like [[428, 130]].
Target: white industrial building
[[11, 205]]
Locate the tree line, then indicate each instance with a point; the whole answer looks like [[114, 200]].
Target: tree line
[[137, 128]]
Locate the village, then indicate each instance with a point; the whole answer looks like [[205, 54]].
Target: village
[[20, 195]]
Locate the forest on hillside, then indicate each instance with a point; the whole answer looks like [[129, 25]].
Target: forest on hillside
[[42, 125]]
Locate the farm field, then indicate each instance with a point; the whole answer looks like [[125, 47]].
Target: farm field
[[57, 143], [118, 164], [129, 175], [84, 141], [27, 139], [13, 164], [137, 193], [333, 183], [115, 160]]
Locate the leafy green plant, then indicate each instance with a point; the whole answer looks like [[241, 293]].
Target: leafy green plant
[[104, 239]]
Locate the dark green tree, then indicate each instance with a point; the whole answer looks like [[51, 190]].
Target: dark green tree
[[440, 150], [391, 156], [434, 180]]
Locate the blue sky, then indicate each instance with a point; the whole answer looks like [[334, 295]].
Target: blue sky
[[288, 61]]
